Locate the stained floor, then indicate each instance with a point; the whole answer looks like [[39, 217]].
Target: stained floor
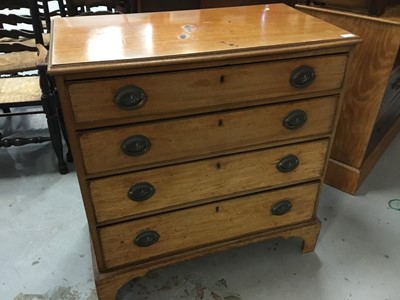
[[45, 254]]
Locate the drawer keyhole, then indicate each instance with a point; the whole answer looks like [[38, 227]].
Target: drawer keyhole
[[222, 79]]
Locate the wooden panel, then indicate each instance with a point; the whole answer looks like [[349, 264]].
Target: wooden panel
[[90, 43], [366, 84], [205, 224], [189, 138], [204, 89], [211, 179], [347, 178], [342, 176]]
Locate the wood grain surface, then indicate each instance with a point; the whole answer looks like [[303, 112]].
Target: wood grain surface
[[108, 283], [202, 90], [204, 136], [205, 224], [206, 180], [369, 74], [120, 41]]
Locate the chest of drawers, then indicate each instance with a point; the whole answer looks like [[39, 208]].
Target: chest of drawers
[[197, 131]]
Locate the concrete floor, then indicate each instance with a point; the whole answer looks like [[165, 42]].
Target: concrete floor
[[44, 248]]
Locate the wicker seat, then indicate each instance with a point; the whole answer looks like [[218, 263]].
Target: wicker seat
[[23, 73], [20, 90], [20, 61]]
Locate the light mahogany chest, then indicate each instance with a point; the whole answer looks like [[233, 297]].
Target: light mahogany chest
[[197, 131]]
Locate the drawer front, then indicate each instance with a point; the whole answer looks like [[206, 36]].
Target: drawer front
[[190, 138], [164, 234], [188, 92], [223, 177]]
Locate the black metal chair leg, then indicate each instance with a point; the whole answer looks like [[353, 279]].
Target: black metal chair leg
[[49, 107]]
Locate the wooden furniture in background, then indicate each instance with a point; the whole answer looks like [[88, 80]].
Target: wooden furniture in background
[[160, 5], [370, 116], [172, 5], [192, 136], [224, 3], [370, 7]]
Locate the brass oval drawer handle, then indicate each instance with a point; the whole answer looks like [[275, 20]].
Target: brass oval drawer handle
[[146, 238], [141, 191], [281, 208], [295, 119], [136, 145], [130, 97], [302, 77], [288, 163]]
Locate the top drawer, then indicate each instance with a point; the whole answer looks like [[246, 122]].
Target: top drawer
[[162, 95]]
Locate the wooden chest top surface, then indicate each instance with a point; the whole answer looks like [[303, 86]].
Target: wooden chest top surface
[[118, 41]]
